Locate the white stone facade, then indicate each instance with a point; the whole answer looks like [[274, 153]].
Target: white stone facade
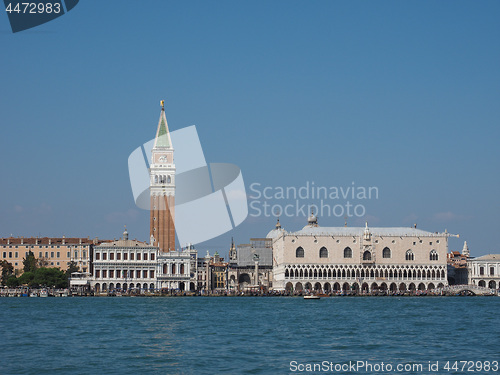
[[361, 259], [485, 271], [175, 270], [123, 265]]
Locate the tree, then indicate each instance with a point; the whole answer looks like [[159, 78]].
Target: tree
[[50, 277], [12, 282], [7, 271], [30, 262], [43, 262], [26, 278], [72, 267]]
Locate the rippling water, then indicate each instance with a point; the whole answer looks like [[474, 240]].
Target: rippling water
[[240, 335]]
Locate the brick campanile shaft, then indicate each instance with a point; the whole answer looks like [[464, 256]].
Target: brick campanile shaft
[[162, 188]]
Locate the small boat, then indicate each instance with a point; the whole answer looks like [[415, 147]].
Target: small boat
[[33, 294], [311, 296], [44, 293]]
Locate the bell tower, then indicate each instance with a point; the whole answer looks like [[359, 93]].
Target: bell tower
[[162, 188]]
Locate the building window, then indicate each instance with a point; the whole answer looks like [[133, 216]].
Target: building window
[[76, 253], [125, 256], [97, 256], [145, 256], [111, 273], [151, 274], [5, 254], [39, 254], [323, 252], [492, 271], [367, 255], [152, 257], [104, 256], [433, 255], [16, 254], [104, 274], [347, 252], [58, 254], [138, 273], [46, 254], [10, 254], [409, 255], [118, 256], [131, 256], [84, 254], [111, 256], [138, 256], [386, 253], [481, 271], [68, 255], [97, 274], [299, 253], [144, 274], [52, 254]]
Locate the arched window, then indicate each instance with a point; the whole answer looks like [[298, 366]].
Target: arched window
[[347, 252], [433, 255], [165, 269], [299, 253], [173, 269], [169, 179], [323, 252], [367, 255], [386, 253], [409, 255], [286, 273], [182, 269], [156, 179]]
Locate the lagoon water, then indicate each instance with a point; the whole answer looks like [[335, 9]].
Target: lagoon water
[[242, 335]]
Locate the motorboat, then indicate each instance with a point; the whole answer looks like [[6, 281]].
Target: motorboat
[[311, 296]]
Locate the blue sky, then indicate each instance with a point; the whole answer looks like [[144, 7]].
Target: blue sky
[[398, 95]]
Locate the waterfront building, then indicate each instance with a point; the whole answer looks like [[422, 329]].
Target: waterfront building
[[162, 188], [176, 270], [49, 251], [202, 272], [457, 266], [485, 271], [212, 274], [251, 265], [358, 259], [124, 264]]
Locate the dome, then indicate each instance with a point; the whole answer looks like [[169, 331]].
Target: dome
[[312, 220], [274, 233]]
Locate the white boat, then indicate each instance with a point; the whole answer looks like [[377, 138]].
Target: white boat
[[311, 296], [44, 293], [33, 294]]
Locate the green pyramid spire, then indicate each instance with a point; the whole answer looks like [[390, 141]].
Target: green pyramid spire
[[162, 134]]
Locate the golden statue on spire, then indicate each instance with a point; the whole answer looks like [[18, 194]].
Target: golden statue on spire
[[162, 103]]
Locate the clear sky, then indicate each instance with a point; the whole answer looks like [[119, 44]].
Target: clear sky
[[403, 96]]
